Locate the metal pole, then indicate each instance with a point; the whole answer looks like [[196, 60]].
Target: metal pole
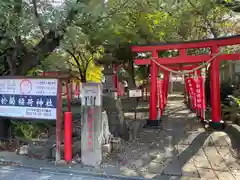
[[68, 136]]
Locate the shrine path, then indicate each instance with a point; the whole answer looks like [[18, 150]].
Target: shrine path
[[179, 150]]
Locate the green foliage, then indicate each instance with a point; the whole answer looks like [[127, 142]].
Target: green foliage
[[234, 5], [30, 129]]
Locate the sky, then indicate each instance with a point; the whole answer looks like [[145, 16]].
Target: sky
[[60, 2]]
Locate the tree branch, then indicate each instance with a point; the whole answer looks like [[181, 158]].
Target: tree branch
[[47, 44], [211, 28], [38, 17], [82, 56], [111, 13], [76, 61], [51, 40]]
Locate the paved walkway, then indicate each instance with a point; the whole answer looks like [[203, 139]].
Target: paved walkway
[[180, 150]]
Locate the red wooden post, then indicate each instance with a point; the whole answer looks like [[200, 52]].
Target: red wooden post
[[115, 77], [162, 97], [183, 53], [198, 94], [77, 90], [186, 93], [165, 86], [162, 90], [215, 89], [202, 91], [68, 136], [153, 92], [159, 92], [68, 97], [184, 90], [71, 89], [198, 72]]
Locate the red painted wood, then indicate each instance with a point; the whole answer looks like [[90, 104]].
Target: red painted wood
[[68, 136], [187, 45], [215, 88], [165, 86], [214, 44], [187, 59], [153, 89]]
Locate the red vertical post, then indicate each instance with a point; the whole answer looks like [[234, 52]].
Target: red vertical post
[[198, 72], [184, 90], [71, 89], [161, 89], [77, 89], [165, 86], [68, 136], [215, 89], [68, 96], [183, 53], [153, 92]]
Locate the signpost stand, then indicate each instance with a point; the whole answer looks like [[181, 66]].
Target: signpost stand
[[136, 94], [91, 120]]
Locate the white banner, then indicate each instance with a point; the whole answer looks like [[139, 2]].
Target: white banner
[[28, 98], [135, 93]]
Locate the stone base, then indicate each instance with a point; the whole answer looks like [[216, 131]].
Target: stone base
[[219, 126], [152, 124], [107, 148]]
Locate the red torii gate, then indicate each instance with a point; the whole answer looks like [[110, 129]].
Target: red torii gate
[[183, 58]]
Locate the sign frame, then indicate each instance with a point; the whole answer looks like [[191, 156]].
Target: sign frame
[[58, 108], [58, 99]]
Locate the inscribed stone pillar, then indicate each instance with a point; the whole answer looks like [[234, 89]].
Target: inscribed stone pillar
[[91, 119]]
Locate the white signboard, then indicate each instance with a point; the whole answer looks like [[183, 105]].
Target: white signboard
[[28, 98], [135, 93], [91, 94]]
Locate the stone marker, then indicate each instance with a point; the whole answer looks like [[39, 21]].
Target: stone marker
[[91, 146]]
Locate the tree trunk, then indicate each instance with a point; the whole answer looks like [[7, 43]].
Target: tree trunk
[[131, 72]]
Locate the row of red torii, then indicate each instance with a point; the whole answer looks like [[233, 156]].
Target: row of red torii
[[187, 62]]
